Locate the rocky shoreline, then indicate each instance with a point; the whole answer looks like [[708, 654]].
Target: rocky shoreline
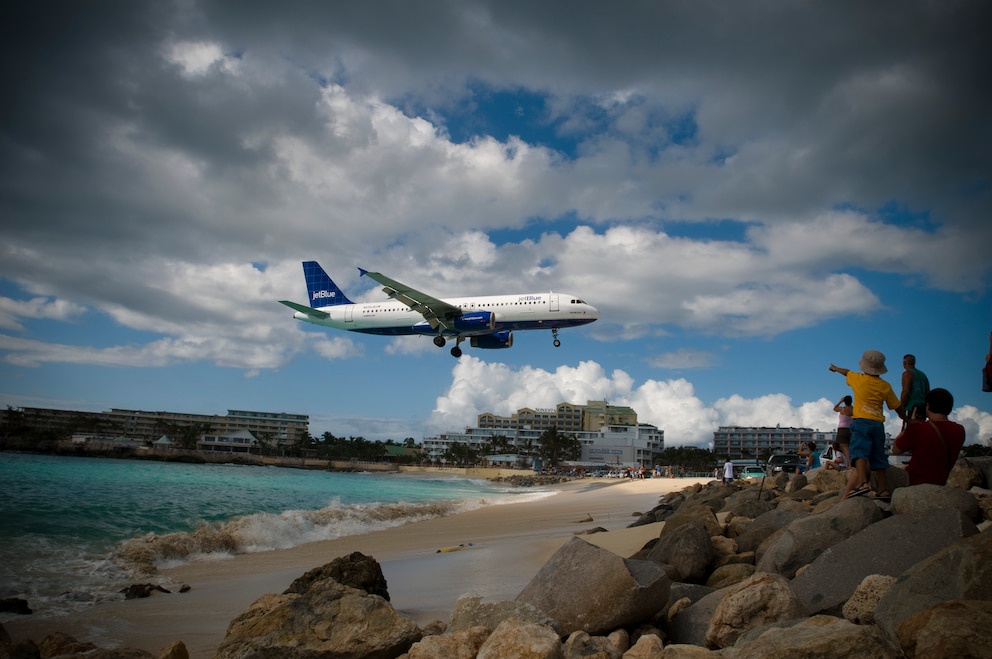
[[779, 568]]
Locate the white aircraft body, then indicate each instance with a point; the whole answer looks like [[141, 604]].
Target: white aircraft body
[[487, 321]]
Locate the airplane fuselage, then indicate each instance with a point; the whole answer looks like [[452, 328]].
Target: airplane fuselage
[[528, 311]]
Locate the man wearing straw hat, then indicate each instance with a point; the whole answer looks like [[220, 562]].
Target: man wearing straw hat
[[867, 426]]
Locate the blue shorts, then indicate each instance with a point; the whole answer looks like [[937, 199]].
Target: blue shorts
[[868, 443]]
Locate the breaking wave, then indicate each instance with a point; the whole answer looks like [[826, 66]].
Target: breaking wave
[[266, 531]]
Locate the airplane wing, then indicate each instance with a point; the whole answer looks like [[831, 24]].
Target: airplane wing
[[435, 311], [316, 313]]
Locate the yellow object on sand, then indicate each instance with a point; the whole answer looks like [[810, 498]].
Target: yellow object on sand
[[443, 550]]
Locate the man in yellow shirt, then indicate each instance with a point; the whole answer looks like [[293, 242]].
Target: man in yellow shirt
[[867, 426]]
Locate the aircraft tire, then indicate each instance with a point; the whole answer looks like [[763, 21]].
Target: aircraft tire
[[557, 343], [456, 352], [439, 341]]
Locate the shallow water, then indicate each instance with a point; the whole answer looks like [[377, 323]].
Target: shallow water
[[77, 530]]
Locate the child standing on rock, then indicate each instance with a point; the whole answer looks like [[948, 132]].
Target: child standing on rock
[[867, 425]]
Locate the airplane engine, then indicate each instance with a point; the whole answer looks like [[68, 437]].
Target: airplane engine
[[475, 320], [493, 341]]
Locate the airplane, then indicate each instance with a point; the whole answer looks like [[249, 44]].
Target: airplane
[[487, 322]]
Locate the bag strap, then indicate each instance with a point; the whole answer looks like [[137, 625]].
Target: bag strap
[[947, 452]]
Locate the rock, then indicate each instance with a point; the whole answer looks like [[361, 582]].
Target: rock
[[175, 651], [60, 643], [471, 611], [356, 570], [648, 646], [761, 599], [950, 630], [765, 525], [689, 625], [142, 590], [700, 514], [329, 619], [962, 571], [15, 605], [4, 636], [689, 551], [730, 574], [804, 539], [829, 480], [462, 644], [888, 547], [748, 503], [580, 644], [964, 475], [860, 608], [921, 498], [588, 588], [819, 637], [724, 550], [20, 650], [521, 640]]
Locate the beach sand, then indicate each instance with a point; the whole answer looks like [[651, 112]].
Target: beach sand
[[509, 544]]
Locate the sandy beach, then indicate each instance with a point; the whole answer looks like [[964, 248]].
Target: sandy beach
[[509, 544]]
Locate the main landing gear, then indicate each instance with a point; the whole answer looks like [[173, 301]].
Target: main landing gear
[[456, 352], [554, 333]]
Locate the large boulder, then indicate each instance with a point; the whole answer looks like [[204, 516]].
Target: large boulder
[[952, 630], [525, 640], [921, 498], [962, 571], [329, 619], [689, 551], [462, 644], [803, 540], [472, 611], [819, 637], [588, 588], [356, 570], [887, 547], [860, 608], [761, 527], [755, 602], [690, 624]]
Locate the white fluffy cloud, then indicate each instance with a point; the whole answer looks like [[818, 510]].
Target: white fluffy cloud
[[671, 405]]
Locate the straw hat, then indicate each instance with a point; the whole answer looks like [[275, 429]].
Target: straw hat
[[873, 362]]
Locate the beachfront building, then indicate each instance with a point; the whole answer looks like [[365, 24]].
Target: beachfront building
[[749, 444], [612, 445], [566, 417], [278, 428]]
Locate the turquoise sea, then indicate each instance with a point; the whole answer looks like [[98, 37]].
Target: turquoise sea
[[74, 531]]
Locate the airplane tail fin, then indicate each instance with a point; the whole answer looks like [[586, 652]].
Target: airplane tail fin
[[322, 290]]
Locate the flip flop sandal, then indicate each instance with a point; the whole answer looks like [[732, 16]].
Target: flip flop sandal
[[861, 491]]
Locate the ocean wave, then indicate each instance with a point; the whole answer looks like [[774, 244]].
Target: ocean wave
[[266, 531]]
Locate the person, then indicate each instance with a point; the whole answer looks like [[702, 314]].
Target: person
[[728, 471], [987, 371], [838, 460], [845, 412], [934, 444], [915, 387], [808, 451], [868, 423]]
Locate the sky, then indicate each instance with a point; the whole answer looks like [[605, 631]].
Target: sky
[[747, 192]]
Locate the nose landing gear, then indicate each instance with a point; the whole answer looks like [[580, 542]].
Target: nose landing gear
[[554, 333]]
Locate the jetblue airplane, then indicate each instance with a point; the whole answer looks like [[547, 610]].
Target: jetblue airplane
[[487, 321]]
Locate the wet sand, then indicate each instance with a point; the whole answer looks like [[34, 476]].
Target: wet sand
[[509, 544]]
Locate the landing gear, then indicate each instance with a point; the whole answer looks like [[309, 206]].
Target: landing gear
[[456, 352], [554, 333], [439, 341]]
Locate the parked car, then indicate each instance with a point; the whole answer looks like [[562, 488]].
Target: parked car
[[787, 462], [752, 471]]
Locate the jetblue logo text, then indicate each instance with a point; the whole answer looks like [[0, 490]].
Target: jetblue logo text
[[322, 294]]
